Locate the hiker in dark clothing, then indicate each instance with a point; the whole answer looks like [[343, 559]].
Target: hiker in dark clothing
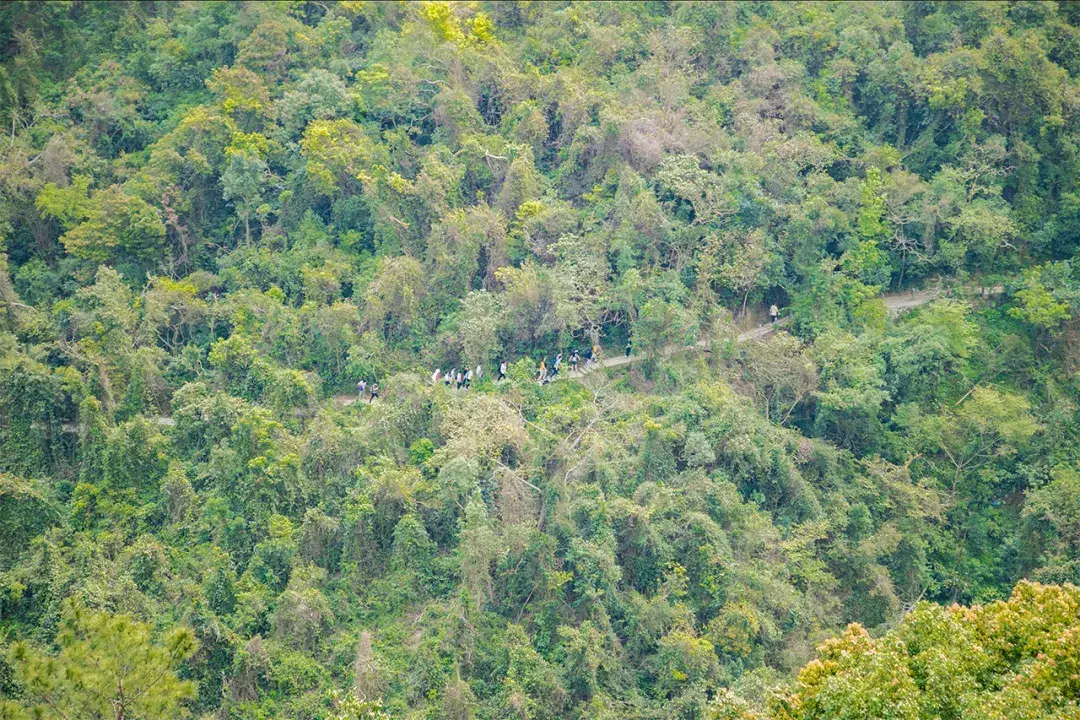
[[374, 392], [628, 346]]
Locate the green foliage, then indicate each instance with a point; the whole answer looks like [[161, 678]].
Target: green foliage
[[988, 424], [107, 666], [1047, 296], [1006, 659], [338, 152], [659, 325], [26, 511], [1053, 521], [351, 708], [932, 349], [218, 218], [118, 228]]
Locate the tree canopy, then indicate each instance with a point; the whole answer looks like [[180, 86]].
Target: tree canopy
[[218, 219]]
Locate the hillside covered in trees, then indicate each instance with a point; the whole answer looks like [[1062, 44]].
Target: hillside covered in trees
[[217, 218]]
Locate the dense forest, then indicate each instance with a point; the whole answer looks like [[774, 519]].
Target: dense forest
[[217, 218]]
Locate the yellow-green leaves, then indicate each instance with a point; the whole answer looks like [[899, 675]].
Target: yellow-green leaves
[[1045, 297], [116, 224], [239, 90], [108, 666], [338, 153], [447, 26], [855, 678], [68, 205]]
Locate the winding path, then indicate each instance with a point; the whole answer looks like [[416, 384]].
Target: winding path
[[894, 302]]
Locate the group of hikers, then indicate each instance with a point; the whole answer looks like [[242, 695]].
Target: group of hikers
[[372, 390], [593, 358], [465, 377]]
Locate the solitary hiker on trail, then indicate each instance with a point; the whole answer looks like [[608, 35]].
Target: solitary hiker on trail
[[374, 392], [479, 372], [360, 387], [774, 312], [628, 347], [502, 370]]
